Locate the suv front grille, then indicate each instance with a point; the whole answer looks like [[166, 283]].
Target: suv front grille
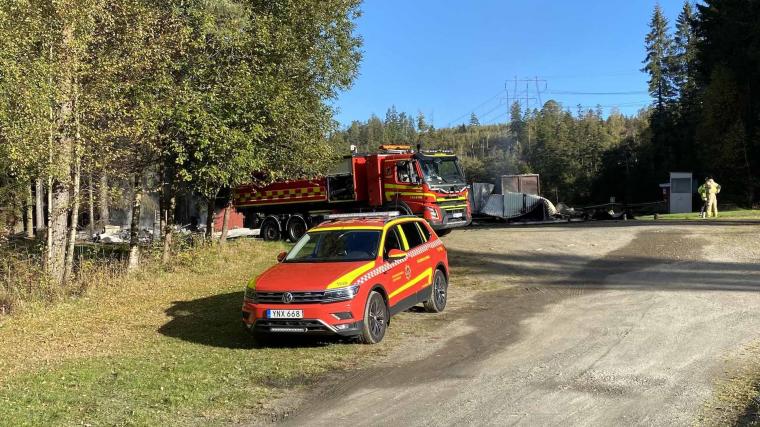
[[298, 297]]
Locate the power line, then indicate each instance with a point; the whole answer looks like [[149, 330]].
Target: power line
[[472, 110], [570, 92]]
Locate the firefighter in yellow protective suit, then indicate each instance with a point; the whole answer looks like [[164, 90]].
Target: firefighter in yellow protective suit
[[713, 188]]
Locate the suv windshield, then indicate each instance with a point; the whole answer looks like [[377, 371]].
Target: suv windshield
[[444, 170], [336, 246]]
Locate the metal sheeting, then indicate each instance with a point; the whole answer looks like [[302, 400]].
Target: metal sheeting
[[515, 205], [479, 196]]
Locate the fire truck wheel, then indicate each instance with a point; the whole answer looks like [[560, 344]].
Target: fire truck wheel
[[270, 230], [439, 292], [295, 228], [397, 205], [375, 319]]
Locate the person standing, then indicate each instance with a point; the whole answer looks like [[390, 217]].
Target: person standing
[[702, 190], [713, 189]]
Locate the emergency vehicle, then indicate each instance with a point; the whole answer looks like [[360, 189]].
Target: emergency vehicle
[[348, 276], [428, 184]]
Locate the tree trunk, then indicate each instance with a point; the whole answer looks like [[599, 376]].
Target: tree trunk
[[226, 222], [134, 229], [91, 205], [68, 274], [60, 190], [103, 201], [29, 213], [169, 224], [210, 204], [39, 205], [58, 224], [75, 186]]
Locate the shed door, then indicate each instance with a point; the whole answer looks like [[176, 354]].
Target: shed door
[[680, 195]]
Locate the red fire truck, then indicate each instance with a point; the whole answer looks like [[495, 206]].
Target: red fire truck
[[429, 184]]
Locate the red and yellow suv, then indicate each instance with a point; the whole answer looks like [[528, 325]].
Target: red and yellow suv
[[348, 276]]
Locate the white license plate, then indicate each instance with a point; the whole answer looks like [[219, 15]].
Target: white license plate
[[457, 215], [284, 314]]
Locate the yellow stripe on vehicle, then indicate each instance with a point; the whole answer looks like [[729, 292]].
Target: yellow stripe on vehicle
[[348, 278], [423, 259], [403, 239], [427, 274], [390, 224], [349, 227], [403, 187], [453, 207], [390, 194]]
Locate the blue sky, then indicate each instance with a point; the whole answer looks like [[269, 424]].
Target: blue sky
[[447, 58]]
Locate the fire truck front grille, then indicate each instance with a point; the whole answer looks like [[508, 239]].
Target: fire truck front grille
[[298, 297]]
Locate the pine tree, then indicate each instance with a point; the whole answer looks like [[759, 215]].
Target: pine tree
[[658, 47], [684, 53], [422, 125], [474, 120]]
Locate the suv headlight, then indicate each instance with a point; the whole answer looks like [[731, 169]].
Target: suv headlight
[[341, 294], [250, 294]]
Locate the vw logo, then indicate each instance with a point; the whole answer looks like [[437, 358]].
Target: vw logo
[[287, 298]]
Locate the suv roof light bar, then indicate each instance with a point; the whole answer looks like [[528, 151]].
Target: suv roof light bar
[[386, 215]]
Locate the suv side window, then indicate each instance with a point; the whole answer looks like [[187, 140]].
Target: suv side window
[[424, 230], [412, 234], [392, 241]]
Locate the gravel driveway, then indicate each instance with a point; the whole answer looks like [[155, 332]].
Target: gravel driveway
[[587, 324]]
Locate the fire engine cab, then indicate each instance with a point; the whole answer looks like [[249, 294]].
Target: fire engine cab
[[347, 276], [428, 184]]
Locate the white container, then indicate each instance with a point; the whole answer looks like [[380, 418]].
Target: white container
[[681, 191]]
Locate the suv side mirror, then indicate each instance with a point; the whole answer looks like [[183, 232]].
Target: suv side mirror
[[281, 256], [396, 254]]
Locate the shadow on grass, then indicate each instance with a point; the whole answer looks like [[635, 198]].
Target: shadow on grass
[[216, 321], [751, 415]]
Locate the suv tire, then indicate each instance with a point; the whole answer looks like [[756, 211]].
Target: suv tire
[[439, 292], [376, 317]]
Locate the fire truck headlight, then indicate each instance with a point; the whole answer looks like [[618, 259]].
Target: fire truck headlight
[[342, 294], [250, 294], [433, 212]]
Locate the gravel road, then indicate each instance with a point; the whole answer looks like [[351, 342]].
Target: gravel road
[[589, 324]]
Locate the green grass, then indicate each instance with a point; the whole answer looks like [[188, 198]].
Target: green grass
[[728, 215], [163, 347]]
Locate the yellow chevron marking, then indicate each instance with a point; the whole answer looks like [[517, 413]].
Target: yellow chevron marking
[[348, 278]]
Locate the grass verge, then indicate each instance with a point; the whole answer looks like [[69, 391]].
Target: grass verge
[[741, 214], [736, 398], [162, 347]]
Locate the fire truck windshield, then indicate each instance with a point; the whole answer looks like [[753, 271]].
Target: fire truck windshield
[[442, 170], [336, 246]]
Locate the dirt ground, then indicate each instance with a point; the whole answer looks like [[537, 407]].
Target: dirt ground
[[578, 324]]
